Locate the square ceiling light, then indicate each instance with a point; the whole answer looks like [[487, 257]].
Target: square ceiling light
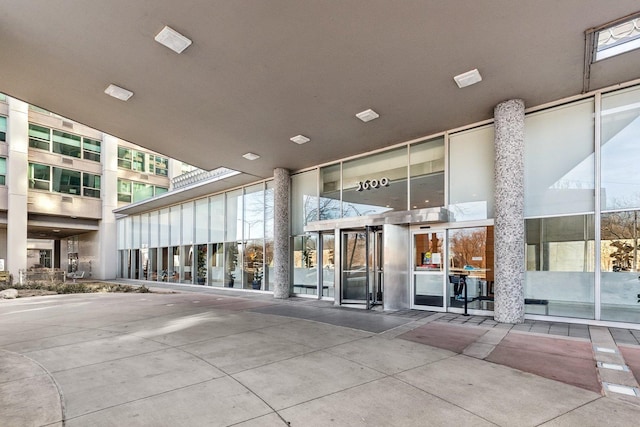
[[300, 139], [367, 115], [118, 92], [250, 156], [172, 39], [467, 79]]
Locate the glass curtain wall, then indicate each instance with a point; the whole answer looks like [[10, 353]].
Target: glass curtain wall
[[620, 200], [427, 174], [216, 230], [560, 265], [233, 239], [560, 236], [201, 237], [375, 184], [253, 235], [330, 184], [471, 161], [269, 224]]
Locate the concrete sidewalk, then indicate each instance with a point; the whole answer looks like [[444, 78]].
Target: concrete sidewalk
[[214, 358]]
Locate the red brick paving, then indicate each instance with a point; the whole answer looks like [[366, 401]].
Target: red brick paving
[[448, 337], [632, 358], [559, 359]]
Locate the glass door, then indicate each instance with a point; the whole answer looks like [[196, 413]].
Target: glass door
[[429, 270], [362, 267]]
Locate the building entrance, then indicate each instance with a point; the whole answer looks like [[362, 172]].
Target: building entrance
[[361, 267]]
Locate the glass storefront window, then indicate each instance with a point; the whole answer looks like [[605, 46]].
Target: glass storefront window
[[560, 142], [328, 265], [174, 270], [375, 184], [471, 266], [163, 264], [152, 266], [560, 265], [269, 268], [305, 272], [201, 221], [329, 203], [154, 233], [304, 200], [427, 174], [620, 138], [164, 227], [201, 264], [216, 218], [619, 264], [233, 216], [253, 219], [175, 217], [471, 161], [233, 264], [186, 264], [144, 230], [216, 265], [187, 223], [135, 231], [253, 264]]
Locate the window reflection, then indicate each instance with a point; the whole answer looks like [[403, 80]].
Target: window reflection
[[560, 265], [619, 280]]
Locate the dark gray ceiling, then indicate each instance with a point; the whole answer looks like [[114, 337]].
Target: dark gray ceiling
[[259, 72]]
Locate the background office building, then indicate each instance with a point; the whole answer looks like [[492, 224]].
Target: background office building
[[59, 184]]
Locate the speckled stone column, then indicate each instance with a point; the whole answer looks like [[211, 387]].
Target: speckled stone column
[[281, 258], [509, 212]]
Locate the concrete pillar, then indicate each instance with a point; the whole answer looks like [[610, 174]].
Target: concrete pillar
[[17, 183], [509, 212], [108, 259], [281, 256]]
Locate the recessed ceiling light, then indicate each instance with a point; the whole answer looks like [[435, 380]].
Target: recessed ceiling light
[[250, 156], [367, 115], [118, 92], [300, 139], [172, 39], [468, 78], [55, 231]]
